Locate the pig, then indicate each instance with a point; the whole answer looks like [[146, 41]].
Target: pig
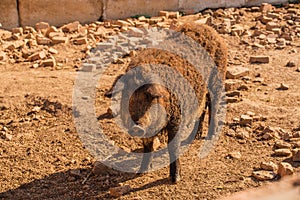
[[154, 108]]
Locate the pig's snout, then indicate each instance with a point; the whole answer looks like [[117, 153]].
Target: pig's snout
[[138, 131]]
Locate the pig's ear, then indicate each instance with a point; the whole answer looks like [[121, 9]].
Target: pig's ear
[[155, 91], [115, 87]]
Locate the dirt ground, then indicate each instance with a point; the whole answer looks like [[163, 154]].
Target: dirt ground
[[42, 156]]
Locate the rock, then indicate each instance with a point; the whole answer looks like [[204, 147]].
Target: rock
[[269, 133], [50, 30], [264, 19], [283, 86], [80, 41], [257, 45], [243, 87], [231, 133], [43, 40], [268, 136], [284, 134], [242, 134], [269, 166], [282, 145], [156, 143], [282, 152], [291, 63], [287, 36], [235, 155], [119, 191], [135, 32], [263, 175], [202, 21], [55, 34], [250, 113], [48, 62], [59, 39], [35, 65], [258, 80], [281, 42], [120, 61], [296, 134], [272, 25], [245, 120], [271, 38], [170, 15], [141, 24], [232, 84], [71, 27], [259, 59], [29, 29], [296, 144], [235, 72], [273, 15], [164, 13], [18, 30], [265, 7], [258, 33], [101, 169], [2, 56], [232, 99], [6, 136], [52, 50], [36, 109], [141, 19], [277, 31], [235, 93], [125, 23], [37, 56], [296, 155], [15, 36], [75, 172], [255, 9], [298, 69], [42, 26], [174, 15], [15, 45], [258, 118], [237, 30], [284, 169], [104, 45]]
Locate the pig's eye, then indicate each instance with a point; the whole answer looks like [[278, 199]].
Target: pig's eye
[[153, 96], [148, 95]]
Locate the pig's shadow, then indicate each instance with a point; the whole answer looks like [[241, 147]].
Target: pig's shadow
[[68, 185], [164, 181]]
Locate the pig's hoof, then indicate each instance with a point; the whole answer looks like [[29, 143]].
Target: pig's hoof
[[175, 179]]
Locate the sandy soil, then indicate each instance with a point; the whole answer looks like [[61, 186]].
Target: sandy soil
[[45, 159]]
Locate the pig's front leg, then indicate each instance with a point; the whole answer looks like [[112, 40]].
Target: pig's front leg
[[148, 155]]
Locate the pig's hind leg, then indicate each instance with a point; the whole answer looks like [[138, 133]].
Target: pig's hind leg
[[173, 148]]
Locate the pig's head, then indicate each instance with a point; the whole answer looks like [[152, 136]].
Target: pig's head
[[145, 102], [148, 108]]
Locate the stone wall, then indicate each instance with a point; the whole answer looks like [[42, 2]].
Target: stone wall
[[9, 17], [59, 12], [15, 13]]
